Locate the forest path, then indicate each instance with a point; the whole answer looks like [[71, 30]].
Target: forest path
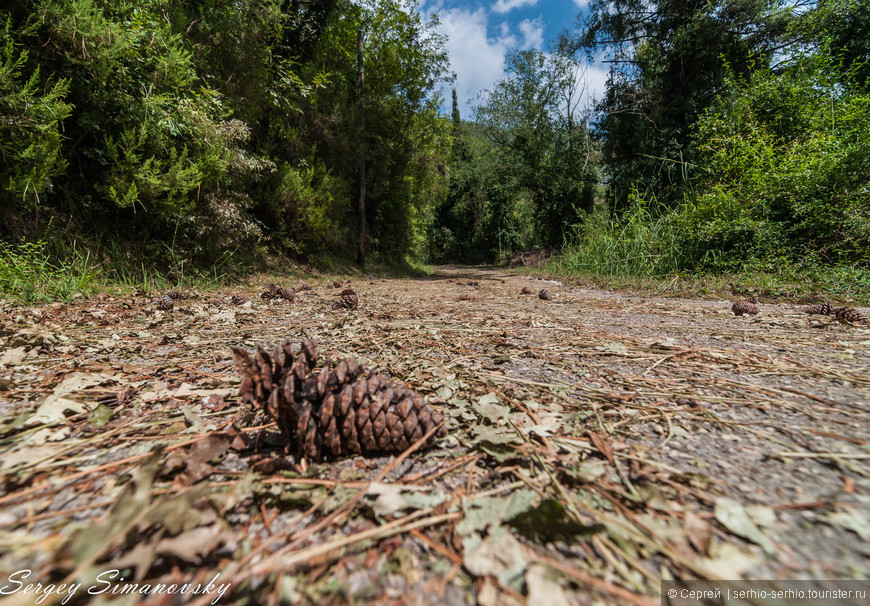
[[609, 437]]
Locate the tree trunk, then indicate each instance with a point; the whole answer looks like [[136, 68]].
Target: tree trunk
[[361, 256]]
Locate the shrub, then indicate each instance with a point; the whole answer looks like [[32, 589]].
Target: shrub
[[31, 110], [788, 168]]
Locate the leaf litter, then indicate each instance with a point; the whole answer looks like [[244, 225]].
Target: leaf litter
[[597, 443]]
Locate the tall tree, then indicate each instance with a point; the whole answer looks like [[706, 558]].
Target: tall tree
[[843, 26], [203, 124], [405, 138], [360, 48], [530, 115], [669, 59]]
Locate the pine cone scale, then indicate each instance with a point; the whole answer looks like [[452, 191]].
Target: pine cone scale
[[366, 432], [359, 392], [345, 399]]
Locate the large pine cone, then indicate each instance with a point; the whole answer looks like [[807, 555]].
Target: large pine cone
[[747, 306], [823, 309], [849, 315], [545, 294], [347, 300], [334, 410]]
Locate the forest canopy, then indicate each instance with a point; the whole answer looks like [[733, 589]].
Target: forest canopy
[[731, 133], [209, 126]]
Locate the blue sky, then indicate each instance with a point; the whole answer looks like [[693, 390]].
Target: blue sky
[[481, 32]]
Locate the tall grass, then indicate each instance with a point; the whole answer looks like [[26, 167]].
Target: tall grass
[[650, 249], [641, 242], [58, 269], [28, 274]]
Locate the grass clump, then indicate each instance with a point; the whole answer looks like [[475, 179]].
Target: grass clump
[[641, 242], [788, 284], [28, 274]]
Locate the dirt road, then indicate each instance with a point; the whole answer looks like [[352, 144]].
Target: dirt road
[[597, 441]]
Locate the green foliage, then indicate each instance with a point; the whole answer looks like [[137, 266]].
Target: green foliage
[[485, 215], [786, 159], [179, 138], [531, 117], [398, 130], [27, 273], [31, 111], [524, 174], [309, 209], [150, 134], [642, 241], [757, 169], [669, 60], [843, 27], [204, 127]]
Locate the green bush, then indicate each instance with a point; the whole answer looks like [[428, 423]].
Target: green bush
[[150, 134], [307, 208], [787, 159], [31, 110]]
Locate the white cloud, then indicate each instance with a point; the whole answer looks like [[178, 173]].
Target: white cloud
[[503, 6], [581, 3], [478, 57], [596, 84], [533, 33], [477, 60], [505, 28]]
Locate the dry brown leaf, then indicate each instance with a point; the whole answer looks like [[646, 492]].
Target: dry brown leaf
[[194, 545], [699, 532], [194, 461], [602, 443]]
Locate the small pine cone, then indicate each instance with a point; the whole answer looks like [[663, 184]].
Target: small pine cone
[[545, 294], [333, 411], [747, 306], [823, 309], [304, 287], [850, 315], [288, 294], [526, 290], [237, 299], [271, 292], [177, 295], [347, 300], [164, 303], [466, 298]]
